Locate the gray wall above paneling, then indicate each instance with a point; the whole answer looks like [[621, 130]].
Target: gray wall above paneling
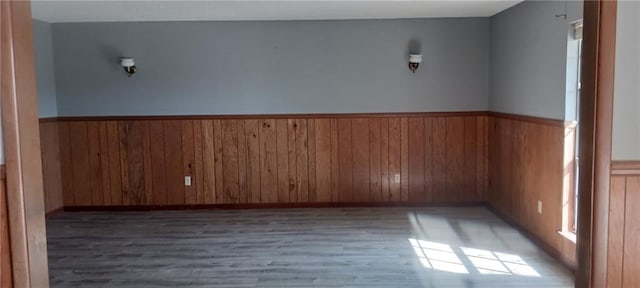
[[529, 58], [266, 67], [45, 79]]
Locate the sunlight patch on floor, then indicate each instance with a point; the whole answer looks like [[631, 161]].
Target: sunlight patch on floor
[[443, 257]]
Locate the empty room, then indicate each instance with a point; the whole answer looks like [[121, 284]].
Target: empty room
[[320, 144]]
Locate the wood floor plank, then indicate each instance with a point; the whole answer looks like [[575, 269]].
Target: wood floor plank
[[347, 247]]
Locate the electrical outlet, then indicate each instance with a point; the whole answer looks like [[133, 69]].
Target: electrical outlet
[[397, 178], [187, 180], [539, 207]]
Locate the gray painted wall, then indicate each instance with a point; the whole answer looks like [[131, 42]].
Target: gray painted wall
[[45, 80], [528, 58], [272, 67], [626, 107]]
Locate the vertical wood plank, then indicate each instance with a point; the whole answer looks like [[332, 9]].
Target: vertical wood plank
[[147, 199], [66, 164], [335, 163], [104, 163], [93, 136], [302, 161], [385, 179], [361, 163], [243, 195], [174, 165], [469, 160], [455, 158], [131, 137], [428, 159], [395, 160], [375, 172], [198, 152], [253, 160], [417, 159], [345, 161], [404, 162], [113, 141], [208, 163], [292, 126], [158, 171], [282, 153], [217, 162], [188, 160], [268, 161], [482, 154], [616, 231], [323, 159], [124, 162], [230, 163], [311, 155], [80, 163], [439, 150], [630, 275]]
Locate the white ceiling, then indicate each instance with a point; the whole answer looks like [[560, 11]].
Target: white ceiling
[[159, 10]]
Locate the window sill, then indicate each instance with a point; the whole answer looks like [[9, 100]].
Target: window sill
[[569, 235]]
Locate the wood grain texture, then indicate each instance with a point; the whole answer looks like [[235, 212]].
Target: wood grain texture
[[526, 166], [624, 232], [259, 160], [22, 147], [6, 276]]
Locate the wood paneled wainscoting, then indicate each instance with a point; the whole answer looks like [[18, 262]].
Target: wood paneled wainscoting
[[264, 160], [527, 165], [623, 263], [6, 274]]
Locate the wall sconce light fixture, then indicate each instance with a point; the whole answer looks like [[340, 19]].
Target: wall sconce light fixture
[[129, 65], [414, 62]]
